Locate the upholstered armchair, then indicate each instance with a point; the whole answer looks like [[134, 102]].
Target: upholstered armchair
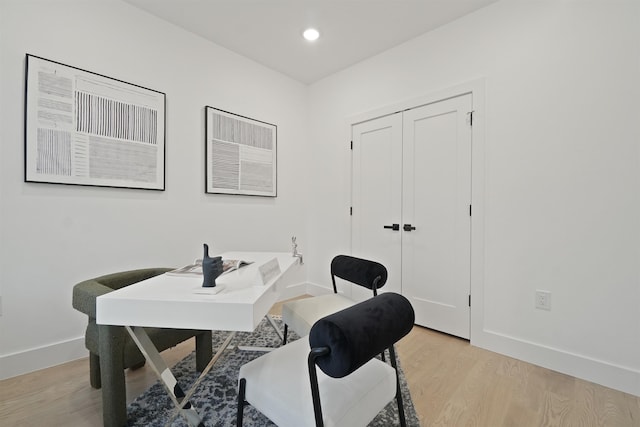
[[107, 368]]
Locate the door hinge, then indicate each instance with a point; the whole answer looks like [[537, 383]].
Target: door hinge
[[352, 145], [351, 210], [469, 300], [469, 210], [470, 114]]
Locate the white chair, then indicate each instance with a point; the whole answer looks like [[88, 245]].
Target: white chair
[[332, 378], [301, 314]]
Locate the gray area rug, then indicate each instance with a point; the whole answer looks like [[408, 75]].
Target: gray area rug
[[216, 397]]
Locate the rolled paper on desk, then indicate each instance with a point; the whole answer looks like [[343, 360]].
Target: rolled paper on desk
[[211, 268]]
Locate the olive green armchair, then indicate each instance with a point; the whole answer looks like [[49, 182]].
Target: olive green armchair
[[107, 368]]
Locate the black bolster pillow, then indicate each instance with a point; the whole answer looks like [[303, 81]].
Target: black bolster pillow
[[360, 271], [358, 333]]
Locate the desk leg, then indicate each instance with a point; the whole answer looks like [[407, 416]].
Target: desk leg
[[205, 371], [275, 327], [158, 364], [265, 349]]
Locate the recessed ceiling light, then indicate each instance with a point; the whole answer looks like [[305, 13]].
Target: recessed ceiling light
[[311, 34]]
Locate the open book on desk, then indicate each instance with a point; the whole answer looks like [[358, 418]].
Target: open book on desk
[[229, 265], [195, 269]]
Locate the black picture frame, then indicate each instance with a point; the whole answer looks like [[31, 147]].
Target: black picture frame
[[240, 154], [84, 128]]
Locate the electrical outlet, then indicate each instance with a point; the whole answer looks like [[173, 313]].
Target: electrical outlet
[[543, 300]]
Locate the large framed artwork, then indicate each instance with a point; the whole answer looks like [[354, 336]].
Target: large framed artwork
[[240, 154], [84, 128]]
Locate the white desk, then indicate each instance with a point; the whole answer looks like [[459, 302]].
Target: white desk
[[167, 301], [182, 303]]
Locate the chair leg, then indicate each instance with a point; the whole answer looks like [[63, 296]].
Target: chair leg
[[403, 421], [111, 345], [241, 392], [94, 370], [401, 416], [286, 330], [204, 350]]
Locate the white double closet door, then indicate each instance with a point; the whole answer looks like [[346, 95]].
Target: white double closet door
[[411, 207]]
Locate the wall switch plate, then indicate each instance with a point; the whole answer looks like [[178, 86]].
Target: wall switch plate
[[543, 300]]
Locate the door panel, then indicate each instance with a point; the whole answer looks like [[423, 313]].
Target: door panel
[[436, 199], [376, 196]]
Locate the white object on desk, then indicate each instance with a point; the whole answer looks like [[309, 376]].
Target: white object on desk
[[269, 270]]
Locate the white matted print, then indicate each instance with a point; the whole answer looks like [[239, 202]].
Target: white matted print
[[84, 128], [240, 154]]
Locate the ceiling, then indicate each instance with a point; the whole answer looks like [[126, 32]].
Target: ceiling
[[269, 31]]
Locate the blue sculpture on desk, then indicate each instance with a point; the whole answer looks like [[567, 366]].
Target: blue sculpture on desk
[[211, 268]]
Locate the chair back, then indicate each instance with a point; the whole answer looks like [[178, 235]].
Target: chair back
[[363, 272], [85, 293], [355, 335], [125, 278]]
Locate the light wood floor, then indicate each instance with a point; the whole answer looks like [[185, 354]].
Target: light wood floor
[[452, 384]]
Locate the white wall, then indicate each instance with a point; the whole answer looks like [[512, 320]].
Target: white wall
[[53, 236], [560, 205]]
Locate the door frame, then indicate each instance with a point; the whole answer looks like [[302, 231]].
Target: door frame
[[477, 90]]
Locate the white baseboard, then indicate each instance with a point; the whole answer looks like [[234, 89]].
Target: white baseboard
[[622, 378], [315, 289], [293, 291], [24, 362], [303, 289]]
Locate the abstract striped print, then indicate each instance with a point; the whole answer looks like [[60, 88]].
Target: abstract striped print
[[102, 116], [54, 152], [225, 161], [233, 130]]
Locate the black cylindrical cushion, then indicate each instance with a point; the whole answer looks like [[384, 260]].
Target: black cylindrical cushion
[[358, 270], [358, 333]]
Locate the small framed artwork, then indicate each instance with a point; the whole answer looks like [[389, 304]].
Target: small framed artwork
[[240, 154], [84, 128]]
